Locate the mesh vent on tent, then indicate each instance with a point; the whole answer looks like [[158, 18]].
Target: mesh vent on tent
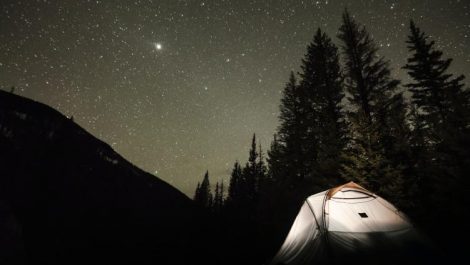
[[363, 215]]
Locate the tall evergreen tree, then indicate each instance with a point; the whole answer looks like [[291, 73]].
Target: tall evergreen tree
[[261, 169], [275, 161], [246, 184], [312, 133], [218, 198], [221, 194], [291, 132], [236, 181], [197, 193], [307, 152], [420, 157], [250, 173], [373, 95], [216, 204], [203, 195], [441, 126], [438, 96], [326, 128]]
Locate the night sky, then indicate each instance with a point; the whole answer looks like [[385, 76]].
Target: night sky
[[180, 86]]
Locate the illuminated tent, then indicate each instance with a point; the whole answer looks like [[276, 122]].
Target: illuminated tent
[[350, 223]]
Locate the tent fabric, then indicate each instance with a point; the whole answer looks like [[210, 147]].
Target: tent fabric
[[343, 223], [351, 184], [300, 245]]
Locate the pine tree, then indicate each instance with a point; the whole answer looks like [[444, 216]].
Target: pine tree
[[276, 153], [221, 195], [234, 189], [312, 133], [250, 173], [326, 127], [397, 139], [291, 132], [372, 94], [245, 184], [418, 184], [197, 193], [218, 198], [441, 127], [216, 205], [203, 195], [437, 95], [261, 170], [440, 99]]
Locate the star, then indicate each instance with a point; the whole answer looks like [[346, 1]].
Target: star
[[158, 46]]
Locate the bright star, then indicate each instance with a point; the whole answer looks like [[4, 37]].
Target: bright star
[[158, 46]]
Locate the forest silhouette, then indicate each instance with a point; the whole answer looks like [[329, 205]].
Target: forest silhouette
[[344, 118]]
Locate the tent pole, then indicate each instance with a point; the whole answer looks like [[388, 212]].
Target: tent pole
[[325, 228]]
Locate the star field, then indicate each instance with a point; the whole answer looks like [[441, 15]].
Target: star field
[[179, 86]]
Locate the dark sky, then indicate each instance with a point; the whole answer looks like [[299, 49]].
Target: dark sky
[[179, 86]]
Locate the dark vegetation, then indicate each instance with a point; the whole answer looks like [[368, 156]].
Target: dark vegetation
[[68, 198], [343, 117]]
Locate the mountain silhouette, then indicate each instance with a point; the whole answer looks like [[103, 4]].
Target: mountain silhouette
[[68, 198]]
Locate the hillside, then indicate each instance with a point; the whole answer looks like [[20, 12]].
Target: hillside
[[68, 198]]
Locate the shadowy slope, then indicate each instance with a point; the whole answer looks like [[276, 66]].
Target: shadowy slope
[[69, 198]]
